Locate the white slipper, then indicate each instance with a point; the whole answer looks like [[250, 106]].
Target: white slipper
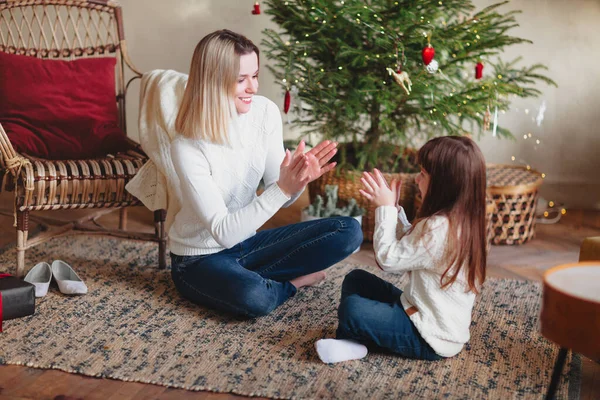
[[40, 275], [68, 281]]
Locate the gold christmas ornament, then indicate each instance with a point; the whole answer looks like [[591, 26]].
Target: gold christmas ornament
[[401, 79]]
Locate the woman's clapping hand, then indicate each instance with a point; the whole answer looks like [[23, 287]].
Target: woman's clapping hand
[[298, 169], [318, 158], [293, 176]]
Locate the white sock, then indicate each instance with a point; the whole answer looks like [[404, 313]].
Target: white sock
[[336, 350]]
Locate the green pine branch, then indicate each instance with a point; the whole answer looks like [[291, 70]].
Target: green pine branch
[[337, 54]]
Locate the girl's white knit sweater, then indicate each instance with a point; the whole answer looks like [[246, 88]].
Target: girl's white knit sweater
[[444, 315], [219, 204]]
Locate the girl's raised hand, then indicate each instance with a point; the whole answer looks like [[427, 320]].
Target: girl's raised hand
[[376, 190]]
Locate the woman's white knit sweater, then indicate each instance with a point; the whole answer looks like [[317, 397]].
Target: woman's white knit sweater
[[444, 315], [219, 205]]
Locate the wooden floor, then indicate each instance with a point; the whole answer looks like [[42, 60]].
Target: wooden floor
[[554, 244]]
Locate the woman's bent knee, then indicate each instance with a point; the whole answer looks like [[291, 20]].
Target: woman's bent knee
[[255, 302], [249, 300], [351, 230]]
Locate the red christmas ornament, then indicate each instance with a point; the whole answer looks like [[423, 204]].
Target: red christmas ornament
[[256, 10], [479, 70], [428, 53], [286, 101]]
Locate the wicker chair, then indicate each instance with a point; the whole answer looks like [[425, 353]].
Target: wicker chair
[[68, 30]]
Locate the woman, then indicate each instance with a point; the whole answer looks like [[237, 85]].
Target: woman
[[229, 139]]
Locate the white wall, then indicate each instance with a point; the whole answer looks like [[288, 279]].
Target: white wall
[[163, 35], [562, 33]]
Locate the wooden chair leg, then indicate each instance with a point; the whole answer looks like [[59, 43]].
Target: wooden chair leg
[[123, 219], [22, 230], [159, 227]]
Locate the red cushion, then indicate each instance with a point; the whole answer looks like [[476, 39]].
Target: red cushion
[[60, 109]]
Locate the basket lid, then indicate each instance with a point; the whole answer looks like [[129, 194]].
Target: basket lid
[[512, 175]]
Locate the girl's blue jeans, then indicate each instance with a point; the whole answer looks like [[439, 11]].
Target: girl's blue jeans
[[251, 279], [371, 313]]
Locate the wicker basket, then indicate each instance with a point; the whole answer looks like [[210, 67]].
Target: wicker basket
[[348, 186], [514, 190]]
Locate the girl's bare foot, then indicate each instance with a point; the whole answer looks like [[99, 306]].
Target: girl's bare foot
[[309, 280]]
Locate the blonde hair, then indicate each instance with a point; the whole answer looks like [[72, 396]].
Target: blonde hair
[[207, 105]]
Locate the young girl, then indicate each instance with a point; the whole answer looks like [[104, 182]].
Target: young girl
[[444, 254], [228, 140]]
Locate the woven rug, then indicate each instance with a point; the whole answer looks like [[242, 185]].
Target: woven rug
[[132, 325]]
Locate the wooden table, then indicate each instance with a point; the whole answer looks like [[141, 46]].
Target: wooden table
[[570, 314]]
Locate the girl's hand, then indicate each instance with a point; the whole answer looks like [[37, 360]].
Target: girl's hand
[[293, 176], [376, 189]]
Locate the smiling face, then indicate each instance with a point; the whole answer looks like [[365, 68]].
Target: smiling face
[[247, 82]]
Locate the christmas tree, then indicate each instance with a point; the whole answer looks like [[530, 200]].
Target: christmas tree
[[383, 75]]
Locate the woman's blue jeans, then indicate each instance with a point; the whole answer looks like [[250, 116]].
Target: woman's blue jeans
[[371, 313], [252, 278]]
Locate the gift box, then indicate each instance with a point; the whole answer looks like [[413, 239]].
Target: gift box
[[17, 298]]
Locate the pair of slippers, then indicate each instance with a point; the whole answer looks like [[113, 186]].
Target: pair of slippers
[[68, 281]]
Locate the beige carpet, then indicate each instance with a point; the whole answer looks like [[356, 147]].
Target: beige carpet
[[132, 325]]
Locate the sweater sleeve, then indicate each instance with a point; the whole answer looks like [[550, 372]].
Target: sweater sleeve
[[419, 249], [200, 191], [275, 153], [404, 225]]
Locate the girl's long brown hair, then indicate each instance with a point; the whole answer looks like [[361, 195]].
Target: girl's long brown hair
[[457, 187]]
